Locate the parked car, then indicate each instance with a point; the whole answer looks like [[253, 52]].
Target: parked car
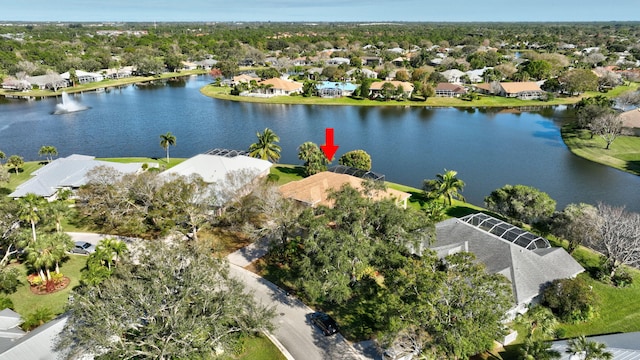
[[324, 322], [83, 247]]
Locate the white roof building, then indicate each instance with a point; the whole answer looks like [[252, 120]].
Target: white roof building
[[229, 176], [70, 172]]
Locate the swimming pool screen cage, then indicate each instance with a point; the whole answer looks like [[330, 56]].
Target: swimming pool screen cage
[[364, 174], [227, 152], [506, 231]]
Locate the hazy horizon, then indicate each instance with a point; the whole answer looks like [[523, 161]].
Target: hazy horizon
[[304, 11]]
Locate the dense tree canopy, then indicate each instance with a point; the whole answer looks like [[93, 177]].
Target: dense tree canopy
[[358, 159], [522, 203], [175, 301], [356, 258]]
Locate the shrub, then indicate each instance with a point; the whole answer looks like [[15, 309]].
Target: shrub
[[5, 303], [622, 278], [34, 280], [572, 300], [39, 317], [9, 280]]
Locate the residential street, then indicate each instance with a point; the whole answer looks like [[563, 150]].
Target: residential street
[[299, 339]]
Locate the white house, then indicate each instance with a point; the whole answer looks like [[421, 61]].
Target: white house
[[453, 76], [66, 173]]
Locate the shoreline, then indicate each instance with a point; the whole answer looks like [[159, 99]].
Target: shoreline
[[97, 86]]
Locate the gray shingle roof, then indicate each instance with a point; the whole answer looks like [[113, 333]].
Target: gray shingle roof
[[528, 270], [625, 346]]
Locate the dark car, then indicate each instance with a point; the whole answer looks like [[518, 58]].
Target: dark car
[[83, 247], [324, 322]]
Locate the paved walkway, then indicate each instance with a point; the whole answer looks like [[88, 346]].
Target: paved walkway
[[250, 253]]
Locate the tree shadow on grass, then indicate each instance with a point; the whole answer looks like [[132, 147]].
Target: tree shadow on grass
[[296, 170]]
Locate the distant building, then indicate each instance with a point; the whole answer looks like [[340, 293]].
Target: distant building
[[450, 90]]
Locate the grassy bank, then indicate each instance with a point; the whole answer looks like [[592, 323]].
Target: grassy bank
[[101, 84], [623, 154], [483, 101]]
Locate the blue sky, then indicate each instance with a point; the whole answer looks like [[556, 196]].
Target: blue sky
[[320, 10]]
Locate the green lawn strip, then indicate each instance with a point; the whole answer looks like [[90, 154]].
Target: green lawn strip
[[25, 302], [259, 348], [483, 101], [287, 173], [623, 154], [162, 161], [24, 174]]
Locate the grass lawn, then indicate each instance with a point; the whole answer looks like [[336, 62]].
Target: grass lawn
[[260, 348], [484, 100], [623, 154], [287, 173], [26, 302], [24, 174], [162, 162]]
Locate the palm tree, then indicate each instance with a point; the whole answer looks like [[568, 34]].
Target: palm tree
[[48, 151], [266, 147], [30, 210], [167, 140], [15, 162], [2, 156], [446, 186], [538, 350], [591, 350], [58, 210], [113, 249]]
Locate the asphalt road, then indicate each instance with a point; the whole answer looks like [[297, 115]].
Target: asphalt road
[[301, 339]]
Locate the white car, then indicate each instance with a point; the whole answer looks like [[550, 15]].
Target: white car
[[83, 247]]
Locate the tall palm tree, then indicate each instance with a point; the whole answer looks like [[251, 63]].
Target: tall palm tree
[[48, 151], [30, 210], [167, 140], [446, 186], [591, 350], [266, 148]]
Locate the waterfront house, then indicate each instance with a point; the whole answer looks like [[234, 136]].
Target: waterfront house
[[15, 84], [47, 82], [526, 90], [376, 87], [314, 190], [450, 90], [84, 77], [230, 172], [333, 89], [275, 87], [67, 173], [528, 261]]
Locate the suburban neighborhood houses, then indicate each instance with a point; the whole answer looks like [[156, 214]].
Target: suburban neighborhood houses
[[231, 253]]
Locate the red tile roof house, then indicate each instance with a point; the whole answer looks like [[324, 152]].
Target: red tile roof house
[[276, 87], [450, 90]]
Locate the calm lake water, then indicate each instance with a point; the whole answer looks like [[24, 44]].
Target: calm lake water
[[488, 148]]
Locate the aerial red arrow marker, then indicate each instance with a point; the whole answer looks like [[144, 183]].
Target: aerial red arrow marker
[[329, 148]]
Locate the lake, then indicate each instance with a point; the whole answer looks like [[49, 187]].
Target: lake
[[488, 147]]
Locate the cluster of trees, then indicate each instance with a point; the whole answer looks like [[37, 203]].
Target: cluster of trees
[[138, 205], [597, 116], [355, 259], [173, 301]]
